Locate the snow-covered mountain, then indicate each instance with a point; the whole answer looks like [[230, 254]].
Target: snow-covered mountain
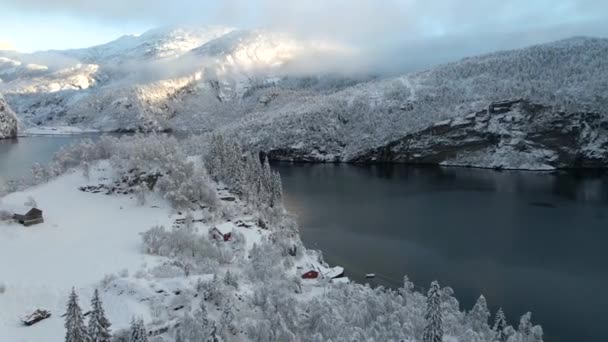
[[260, 85], [569, 76], [157, 81], [8, 121]]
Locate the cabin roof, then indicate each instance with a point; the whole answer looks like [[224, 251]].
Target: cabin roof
[[225, 228], [34, 211], [335, 272]]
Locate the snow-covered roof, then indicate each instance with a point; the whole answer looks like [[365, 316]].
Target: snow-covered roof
[[335, 272], [225, 228], [343, 280], [15, 208]]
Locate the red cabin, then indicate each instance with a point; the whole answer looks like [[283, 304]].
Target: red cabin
[[310, 275], [222, 232]]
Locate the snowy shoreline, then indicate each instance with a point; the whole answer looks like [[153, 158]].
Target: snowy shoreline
[[176, 241]]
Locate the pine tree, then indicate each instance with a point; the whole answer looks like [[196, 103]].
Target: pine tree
[[202, 316], [226, 321], [478, 317], [214, 335], [500, 324], [74, 321], [138, 331], [433, 331], [276, 189], [98, 323], [230, 280]]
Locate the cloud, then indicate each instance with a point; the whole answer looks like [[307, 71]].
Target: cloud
[[391, 33], [354, 20]]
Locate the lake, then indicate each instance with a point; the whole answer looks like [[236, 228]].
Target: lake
[[528, 241]]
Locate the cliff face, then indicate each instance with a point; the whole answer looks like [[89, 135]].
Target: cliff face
[[8, 121], [513, 134]]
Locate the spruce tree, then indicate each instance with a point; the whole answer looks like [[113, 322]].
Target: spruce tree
[[138, 331], [214, 335], [500, 324], [98, 323], [74, 321], [433, 331], [478, 317]]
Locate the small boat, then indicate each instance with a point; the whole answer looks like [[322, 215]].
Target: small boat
[[370, 275]]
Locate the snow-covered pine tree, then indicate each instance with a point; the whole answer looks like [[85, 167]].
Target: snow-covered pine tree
[[76, 331], [202, 316], [525, 325], [190, 330], [500, 323], [280, 330], [137, 332], [230, 280], [276, 189], [98, 323], [227, 327], [433, 331], [478, 317], [214, 335], [213, 159]]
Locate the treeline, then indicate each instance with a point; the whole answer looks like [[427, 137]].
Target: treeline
[[243, 173]]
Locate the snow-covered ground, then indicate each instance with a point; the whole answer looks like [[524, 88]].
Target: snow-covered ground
[[84, 237], [56, 130]]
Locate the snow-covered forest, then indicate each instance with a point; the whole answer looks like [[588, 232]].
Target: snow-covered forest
[[8, 120], [224, 260]]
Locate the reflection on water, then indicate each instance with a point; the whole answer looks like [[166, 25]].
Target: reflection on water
[[526, 240], [18, 155]]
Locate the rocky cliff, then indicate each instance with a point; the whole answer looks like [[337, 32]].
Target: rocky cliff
[[515, 134]]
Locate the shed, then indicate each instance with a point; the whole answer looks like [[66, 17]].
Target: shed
[[33, 216], [312, 274], [222, 231]]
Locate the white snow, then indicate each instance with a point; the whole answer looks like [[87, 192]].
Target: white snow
[[56, 130], [84, 237], [225, 228], [334, 272]]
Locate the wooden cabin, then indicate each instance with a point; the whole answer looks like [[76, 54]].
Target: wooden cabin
[[222, 232], [33, 216]]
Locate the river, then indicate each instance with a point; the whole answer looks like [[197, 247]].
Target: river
[[527, 241]]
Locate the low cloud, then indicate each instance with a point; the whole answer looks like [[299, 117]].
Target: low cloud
[[391, 34]]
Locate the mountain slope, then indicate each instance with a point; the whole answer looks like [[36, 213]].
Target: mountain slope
[[567, 75]]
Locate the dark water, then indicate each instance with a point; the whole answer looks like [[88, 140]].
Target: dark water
[[528, 241], [17, 156]]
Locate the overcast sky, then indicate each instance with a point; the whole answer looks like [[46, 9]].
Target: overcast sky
[[471, 25]]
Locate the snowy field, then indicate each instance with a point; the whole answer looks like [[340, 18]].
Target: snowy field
[[84, 237]]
